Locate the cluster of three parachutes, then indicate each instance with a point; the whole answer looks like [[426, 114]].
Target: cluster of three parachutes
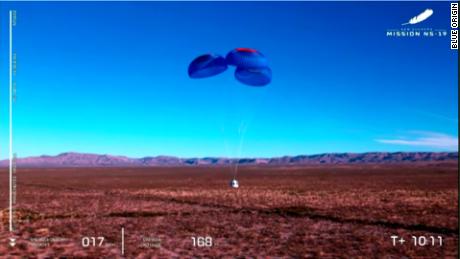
[[251, 66]]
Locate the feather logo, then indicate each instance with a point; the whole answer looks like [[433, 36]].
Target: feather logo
[[421, 17]]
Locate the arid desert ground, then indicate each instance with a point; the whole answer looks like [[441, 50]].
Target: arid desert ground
[[324, 211]]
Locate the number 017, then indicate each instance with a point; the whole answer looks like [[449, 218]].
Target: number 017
[[92, 241]]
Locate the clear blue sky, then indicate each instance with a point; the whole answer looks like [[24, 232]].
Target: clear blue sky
[[112, 78]]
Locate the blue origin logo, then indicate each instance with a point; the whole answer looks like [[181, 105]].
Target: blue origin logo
[[409, 29], [420, 18]]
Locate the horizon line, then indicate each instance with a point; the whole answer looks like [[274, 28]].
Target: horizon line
[[227, 157]]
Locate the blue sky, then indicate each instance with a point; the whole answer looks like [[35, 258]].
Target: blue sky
[[112, 78]]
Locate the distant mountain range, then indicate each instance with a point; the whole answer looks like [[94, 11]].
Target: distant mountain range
[[72, 159]]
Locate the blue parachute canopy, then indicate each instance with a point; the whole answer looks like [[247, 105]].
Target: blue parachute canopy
[[254, 76], [207, 65], [246, 58]]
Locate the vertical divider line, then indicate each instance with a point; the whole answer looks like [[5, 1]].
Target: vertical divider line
[[122, 241], [11, 121]]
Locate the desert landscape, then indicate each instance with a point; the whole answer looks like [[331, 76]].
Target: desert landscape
[[311, 211]]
